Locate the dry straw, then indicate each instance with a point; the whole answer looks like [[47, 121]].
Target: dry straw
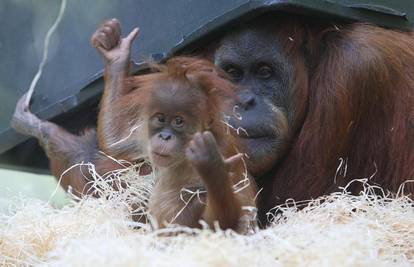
[[335, 230]]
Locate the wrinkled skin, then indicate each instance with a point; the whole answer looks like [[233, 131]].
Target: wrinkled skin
[[254, 61]]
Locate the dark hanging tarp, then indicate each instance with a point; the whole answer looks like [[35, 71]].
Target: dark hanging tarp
[[69, 90]]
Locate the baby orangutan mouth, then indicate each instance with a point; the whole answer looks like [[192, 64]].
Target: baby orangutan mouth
[[160, 159]]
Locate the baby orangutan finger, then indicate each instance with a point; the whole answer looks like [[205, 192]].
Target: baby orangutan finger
[[115, 25], [112, 38], [209, 138], [127, 41]]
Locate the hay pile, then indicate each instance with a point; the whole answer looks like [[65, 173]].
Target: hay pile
[[335, 230]]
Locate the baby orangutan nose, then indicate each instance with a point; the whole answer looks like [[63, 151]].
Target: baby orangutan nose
[[165, 136]]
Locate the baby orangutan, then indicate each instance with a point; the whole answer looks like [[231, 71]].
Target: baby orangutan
[[181, 131], [172, 117]]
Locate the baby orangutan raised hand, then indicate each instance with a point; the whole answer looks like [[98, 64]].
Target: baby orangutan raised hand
[[200, 174]]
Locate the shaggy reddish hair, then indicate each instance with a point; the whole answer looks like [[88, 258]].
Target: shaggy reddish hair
[[354, 94]]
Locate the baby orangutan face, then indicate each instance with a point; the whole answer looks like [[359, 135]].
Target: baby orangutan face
[[173, 119]]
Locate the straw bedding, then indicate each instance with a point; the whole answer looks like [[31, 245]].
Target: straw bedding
[[334, 230]]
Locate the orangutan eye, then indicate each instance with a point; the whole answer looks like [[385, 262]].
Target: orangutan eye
[[265, 71], [178, 122], [160, 118], [234, 72]]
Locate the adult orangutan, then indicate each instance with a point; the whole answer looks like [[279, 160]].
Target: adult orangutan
[[316, 93], [311, 92]]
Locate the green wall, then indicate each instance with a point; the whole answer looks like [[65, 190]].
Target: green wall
[[14, 184]]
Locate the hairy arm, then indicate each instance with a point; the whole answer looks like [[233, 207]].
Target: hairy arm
[[116, 54], [223, 204]]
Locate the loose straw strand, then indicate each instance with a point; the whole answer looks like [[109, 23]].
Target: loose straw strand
[[45, 52]]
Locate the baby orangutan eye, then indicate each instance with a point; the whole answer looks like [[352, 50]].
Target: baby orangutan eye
[[178, 122], [160, 118]]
